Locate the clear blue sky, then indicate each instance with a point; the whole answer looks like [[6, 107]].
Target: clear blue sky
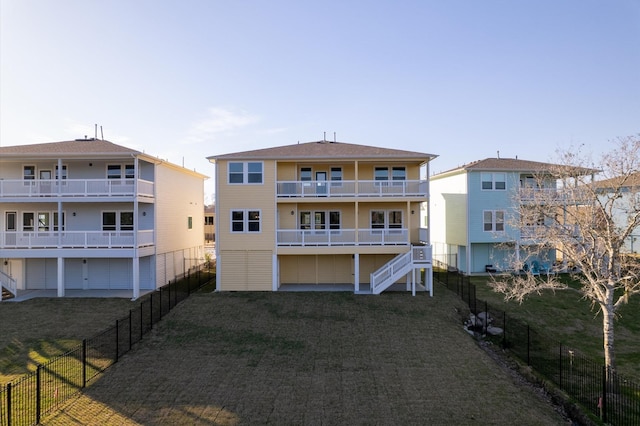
[[192, 78]]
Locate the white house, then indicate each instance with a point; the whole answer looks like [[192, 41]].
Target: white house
[[88, 214]]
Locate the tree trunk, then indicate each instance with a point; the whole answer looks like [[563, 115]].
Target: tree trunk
[[608, 316]]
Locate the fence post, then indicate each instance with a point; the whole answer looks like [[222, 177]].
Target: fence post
[[38, 390], [130, 329], [160, 302], [141, 322], [485, 323], [603, 402], [151, 312], [560, 375], [117, 339], [84, 363], [9, 404]]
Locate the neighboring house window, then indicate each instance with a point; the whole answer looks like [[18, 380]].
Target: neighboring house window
[[112, 221], [114, 171], [208, 220], [399, 173], [43, 221], [381, 173], [336, 176], [493, 220], [190, 222], [62, 175], [55, 221], [27, 221], [11, 221], [129, 171], [245, 220], [29, 172], [494, 181], [246, 172]]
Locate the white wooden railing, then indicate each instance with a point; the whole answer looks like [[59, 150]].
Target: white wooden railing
[[342, 237], [396, 268], [75, 188], [9, 283], [74, 239], [352, 188]]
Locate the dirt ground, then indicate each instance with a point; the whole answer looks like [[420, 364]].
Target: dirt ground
[[309, 359]]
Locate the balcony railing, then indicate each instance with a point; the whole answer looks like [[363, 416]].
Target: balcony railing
[[75, 188], [74, 239], [342, 237], [352, 188]]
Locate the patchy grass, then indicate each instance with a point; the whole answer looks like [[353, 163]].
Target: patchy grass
[[309, 358], [570, 319], [37, 330]]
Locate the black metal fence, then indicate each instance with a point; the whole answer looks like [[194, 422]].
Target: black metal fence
[[602, 392], [26, 400]]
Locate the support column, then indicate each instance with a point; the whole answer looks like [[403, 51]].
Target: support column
[[136, 276], [356, 272], [275, 272], [60, 277]]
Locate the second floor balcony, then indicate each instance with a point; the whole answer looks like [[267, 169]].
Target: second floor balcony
[[76, 239], [352, 188], [68, 188], [342, 237]]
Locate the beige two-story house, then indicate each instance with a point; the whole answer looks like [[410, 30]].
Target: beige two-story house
[[322, 216]]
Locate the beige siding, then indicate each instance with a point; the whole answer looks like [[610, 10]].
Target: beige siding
[[249, 270], [254, 197], [316, 269]]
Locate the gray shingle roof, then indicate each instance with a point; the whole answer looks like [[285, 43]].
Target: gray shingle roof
[[512, 165], [324, 150], [75, 148]]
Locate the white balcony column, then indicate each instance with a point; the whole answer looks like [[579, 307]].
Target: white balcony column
[[356, 272], [60, 277], [136, 275], [275, 272]]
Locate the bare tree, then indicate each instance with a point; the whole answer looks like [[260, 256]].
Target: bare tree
[[585, 222]]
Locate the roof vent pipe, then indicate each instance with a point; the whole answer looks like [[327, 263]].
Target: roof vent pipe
[[334, 137], [324, 138]]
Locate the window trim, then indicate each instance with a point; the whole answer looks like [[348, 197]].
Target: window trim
[[245, 173], [246, 221], [494, 221], [493, 181]]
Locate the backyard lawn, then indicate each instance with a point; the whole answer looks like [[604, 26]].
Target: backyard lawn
[[568, 318], [309, 358]]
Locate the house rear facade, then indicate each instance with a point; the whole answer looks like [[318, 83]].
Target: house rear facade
[[321, 215], [92, 215]]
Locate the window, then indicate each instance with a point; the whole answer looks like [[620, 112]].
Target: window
[[377, 219], [11, 221], [305, 174], [334, 220], [395, 219], [493, 220], [494, 181], [129, 171], [386, 219], [245, 221], [399, 173], [108, 221], [62, 175], [29, 172], [55, 221], [43, 221], [317, 220], [27, 221], [381, 173], [208, 220], [126, 221], [241, 173], [114, 171], [336, 176], [190, 222], [305, 220]]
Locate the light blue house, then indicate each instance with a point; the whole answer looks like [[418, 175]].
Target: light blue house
[[475, 215]]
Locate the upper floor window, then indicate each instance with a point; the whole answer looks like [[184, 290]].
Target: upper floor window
[[494, 181], [336, 173], [318, 220], [381, 173], [62, 175], [114, 171], [208, 220], [245, 220], [390, 173], [29, 172], [399, 173], [245, 172], [493, 220], [305, 174], [129, 171], [113, 221]]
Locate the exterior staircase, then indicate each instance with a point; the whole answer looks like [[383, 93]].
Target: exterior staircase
[[8, 285], [417, 258]]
